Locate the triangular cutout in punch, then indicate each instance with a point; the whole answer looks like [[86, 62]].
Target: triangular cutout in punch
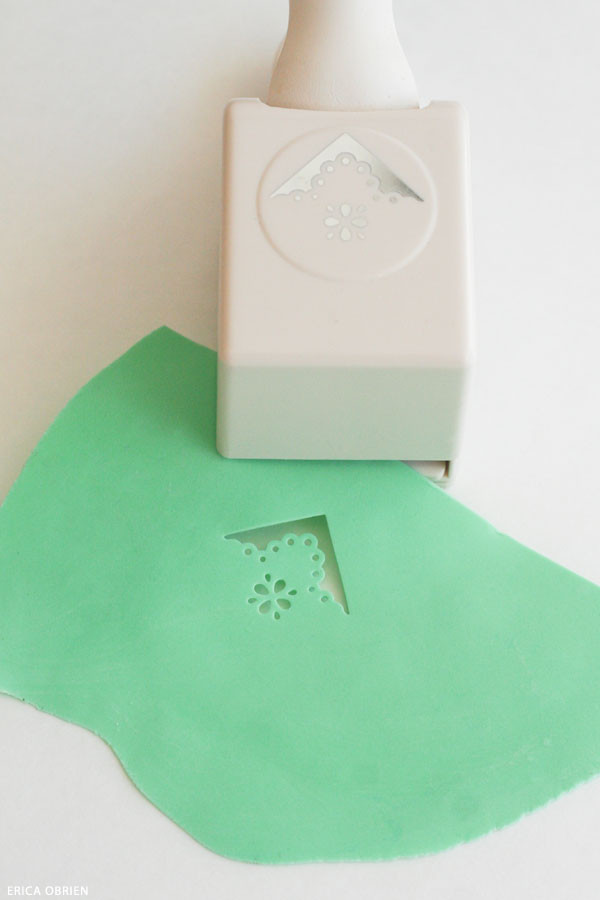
[[346, 145]]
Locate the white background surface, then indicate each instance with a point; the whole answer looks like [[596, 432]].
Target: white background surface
[[110, 143]]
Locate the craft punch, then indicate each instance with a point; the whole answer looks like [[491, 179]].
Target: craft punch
[[345, 320]]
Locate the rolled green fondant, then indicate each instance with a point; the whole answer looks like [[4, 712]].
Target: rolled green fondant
[[460, 689]]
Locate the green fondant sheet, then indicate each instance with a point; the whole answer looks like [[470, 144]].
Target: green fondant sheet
[[459, 689]]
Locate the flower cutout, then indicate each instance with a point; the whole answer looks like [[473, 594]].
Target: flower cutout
[[272, 596], [345, 221]]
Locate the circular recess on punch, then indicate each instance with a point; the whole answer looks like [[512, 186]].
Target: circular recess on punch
[[349, 204]]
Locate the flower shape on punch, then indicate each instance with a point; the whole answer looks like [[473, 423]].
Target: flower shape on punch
[[272, 596], [345, 221]]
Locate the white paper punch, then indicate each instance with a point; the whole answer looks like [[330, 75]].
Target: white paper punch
[[345, 324]]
